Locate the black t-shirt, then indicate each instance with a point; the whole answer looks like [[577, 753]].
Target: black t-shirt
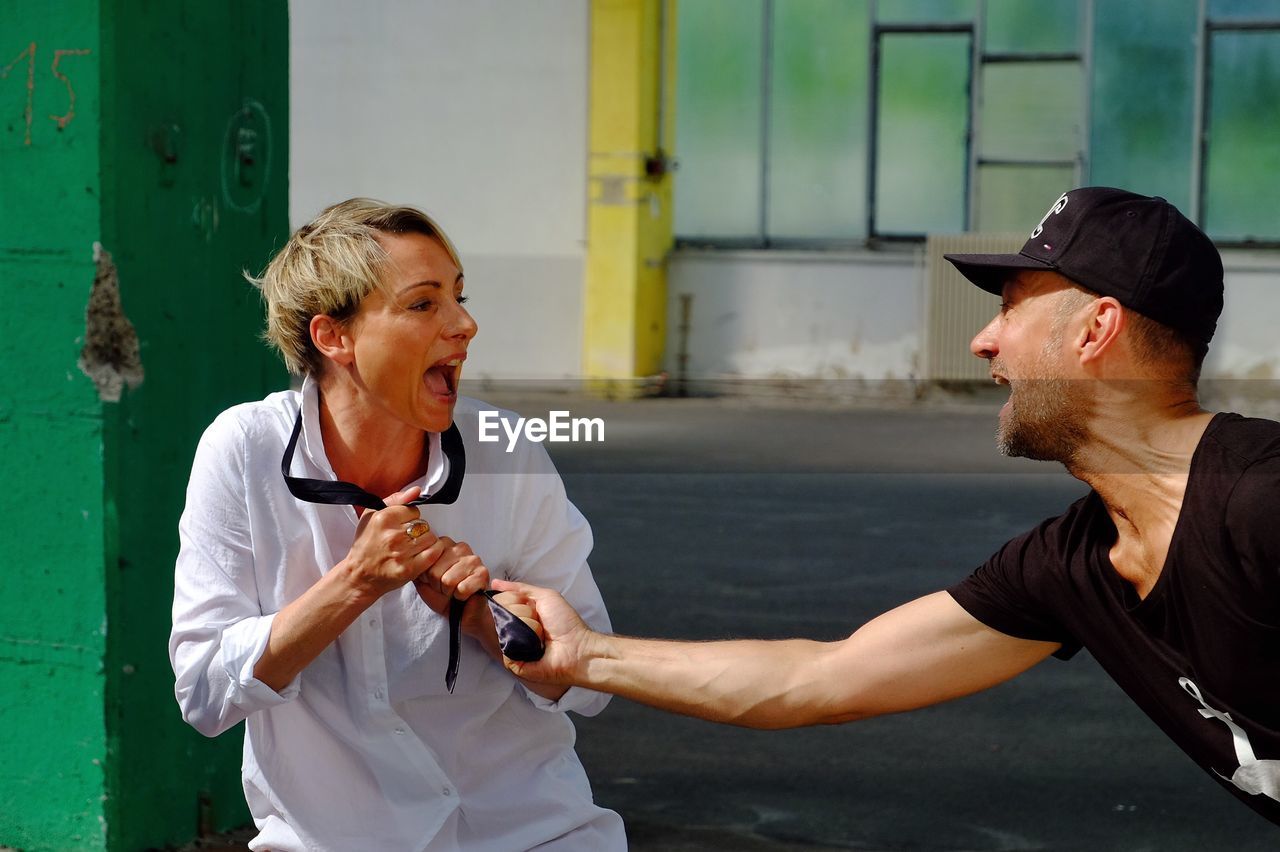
[[1201, 653]]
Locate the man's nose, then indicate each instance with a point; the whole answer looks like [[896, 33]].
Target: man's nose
[[984, 343]]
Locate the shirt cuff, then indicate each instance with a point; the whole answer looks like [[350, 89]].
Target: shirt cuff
[[585, 702], [243, 644]]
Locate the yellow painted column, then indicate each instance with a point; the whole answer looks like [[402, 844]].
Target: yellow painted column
[[629, 214]]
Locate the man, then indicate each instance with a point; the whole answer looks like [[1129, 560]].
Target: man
[[1168, 571]]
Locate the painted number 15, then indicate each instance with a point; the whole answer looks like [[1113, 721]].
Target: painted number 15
[[30, 55]]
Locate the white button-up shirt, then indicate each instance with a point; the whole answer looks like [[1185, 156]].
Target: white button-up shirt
[[366, 749]]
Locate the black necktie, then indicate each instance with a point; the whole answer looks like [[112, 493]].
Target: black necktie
[[517, 639]]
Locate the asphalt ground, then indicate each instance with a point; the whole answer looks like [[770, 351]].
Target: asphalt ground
[[737, 518], [740, 518]]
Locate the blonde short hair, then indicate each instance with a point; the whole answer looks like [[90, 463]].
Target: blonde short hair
[[327, 267]]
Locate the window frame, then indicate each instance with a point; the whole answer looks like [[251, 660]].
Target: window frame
[[1078, 164], [1203, 114], [974, 28], [878, 32]]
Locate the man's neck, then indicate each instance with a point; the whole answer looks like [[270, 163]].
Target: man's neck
[[1138, 461]]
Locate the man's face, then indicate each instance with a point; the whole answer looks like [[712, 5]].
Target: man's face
[[1028, 344]]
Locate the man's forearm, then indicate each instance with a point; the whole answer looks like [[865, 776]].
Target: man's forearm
[[926, 651], [752, 683]]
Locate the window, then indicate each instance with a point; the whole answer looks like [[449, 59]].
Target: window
[[921, 111], [770, 120], [827, 122], [1240, 121], [1031, 138]]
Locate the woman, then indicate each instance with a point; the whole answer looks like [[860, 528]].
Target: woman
[[305, 608]]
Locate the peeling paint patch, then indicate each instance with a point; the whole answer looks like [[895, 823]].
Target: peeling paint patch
[[110, 356]]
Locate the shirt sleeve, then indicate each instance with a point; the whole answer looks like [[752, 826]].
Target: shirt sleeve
[[1252, 529], [1011, 591], [555, 541], [219, 630]]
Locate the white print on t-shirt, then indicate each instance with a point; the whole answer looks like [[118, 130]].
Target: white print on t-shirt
[[1254, 776]]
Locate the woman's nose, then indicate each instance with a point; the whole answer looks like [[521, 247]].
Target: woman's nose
[[462, 323]]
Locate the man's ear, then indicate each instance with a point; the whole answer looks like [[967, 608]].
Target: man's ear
[[1106, 319], [332, 339]]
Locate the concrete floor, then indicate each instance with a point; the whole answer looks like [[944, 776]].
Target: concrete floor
[[737, 518]]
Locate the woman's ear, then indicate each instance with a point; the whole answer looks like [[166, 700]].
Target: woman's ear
[[333, 339]]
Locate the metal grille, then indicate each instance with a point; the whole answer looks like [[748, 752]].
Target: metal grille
[[955, 309]]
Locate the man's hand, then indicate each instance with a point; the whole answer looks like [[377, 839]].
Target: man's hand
[[569, 642]]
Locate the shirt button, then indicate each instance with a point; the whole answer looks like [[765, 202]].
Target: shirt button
[[377, 693], [373, 622], [400, 731], [447, 791]]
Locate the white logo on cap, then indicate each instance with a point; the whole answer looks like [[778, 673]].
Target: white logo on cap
[[1055, 209]]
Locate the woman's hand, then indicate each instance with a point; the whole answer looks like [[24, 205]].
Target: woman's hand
[[450, 569], [384, 556]]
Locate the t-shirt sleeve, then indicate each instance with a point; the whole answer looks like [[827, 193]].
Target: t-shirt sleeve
[[1011, 592], [1252, 528]]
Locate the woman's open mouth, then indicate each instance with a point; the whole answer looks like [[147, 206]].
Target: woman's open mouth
[[442, 377]]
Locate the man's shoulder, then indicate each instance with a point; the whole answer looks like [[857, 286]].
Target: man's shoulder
[[1244, 440], [1077, 522], [1050, 548]]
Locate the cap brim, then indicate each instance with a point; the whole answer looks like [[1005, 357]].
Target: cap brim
[[991, 271]]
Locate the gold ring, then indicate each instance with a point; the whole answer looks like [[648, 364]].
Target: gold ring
[[417, 529]]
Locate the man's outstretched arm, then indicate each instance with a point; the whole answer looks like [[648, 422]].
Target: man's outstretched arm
[[924, 652]]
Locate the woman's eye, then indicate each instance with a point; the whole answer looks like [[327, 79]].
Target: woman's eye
[[424, 305]]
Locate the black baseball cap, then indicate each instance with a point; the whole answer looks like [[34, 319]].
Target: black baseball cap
[[1136, 248]]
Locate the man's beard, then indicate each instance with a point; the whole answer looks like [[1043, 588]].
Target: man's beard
[[1045, 418]]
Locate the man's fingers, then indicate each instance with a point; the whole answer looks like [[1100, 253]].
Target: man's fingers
[[507, 599], [522, 610], [523, 589]]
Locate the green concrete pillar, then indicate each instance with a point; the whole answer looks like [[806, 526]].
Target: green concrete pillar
[[143, 165]]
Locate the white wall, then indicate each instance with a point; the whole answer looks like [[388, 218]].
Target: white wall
[[476, 111], [1247, 343], [797, 315], [860, 316]]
